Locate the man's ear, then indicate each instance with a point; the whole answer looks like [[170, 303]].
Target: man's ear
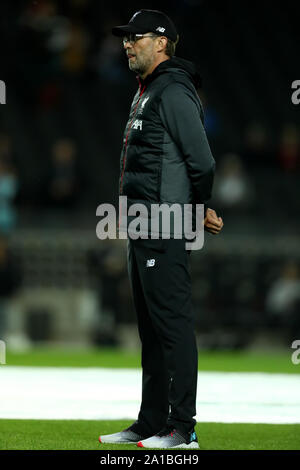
[[162, 43]]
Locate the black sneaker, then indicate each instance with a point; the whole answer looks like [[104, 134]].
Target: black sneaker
[[169, 437], [131, 435]]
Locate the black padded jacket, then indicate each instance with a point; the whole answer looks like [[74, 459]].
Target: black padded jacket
[[166, 157]]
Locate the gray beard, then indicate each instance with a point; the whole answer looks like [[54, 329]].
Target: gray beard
[[138, 67]]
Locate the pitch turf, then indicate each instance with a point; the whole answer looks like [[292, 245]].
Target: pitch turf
[[115, 358], [77, 435], [55, 435]]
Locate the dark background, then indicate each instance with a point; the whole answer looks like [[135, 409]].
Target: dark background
[[68, 93]]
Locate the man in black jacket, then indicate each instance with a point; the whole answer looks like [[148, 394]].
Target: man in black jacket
[[165, 159]]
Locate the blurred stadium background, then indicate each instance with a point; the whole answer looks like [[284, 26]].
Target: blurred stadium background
[[68, 96]]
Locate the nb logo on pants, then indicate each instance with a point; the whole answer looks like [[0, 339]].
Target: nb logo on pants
[[150, 263]]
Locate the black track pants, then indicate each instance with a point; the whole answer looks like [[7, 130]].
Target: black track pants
[[159, 274]]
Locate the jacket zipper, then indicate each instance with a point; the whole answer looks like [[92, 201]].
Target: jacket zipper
[[125, 151], [127, 135]]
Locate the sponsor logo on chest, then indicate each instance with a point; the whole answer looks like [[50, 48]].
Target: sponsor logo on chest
[[137, 124], [142, 105], [144, 102]]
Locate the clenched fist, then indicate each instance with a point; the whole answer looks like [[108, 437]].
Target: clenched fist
[[212, 223]]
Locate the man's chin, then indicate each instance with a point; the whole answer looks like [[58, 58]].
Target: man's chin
[[133, 67]]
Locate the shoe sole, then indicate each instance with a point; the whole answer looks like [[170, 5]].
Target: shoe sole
[[108, 441], [192, 445]]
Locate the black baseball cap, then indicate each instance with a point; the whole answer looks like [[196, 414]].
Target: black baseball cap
[[144, 21]]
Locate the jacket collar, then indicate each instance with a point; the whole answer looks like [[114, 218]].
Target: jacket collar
[[151, 76], [170, 65]]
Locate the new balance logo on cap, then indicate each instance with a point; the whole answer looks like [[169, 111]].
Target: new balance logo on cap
[[160, 29], [150, 263]]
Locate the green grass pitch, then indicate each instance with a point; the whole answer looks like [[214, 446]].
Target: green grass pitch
[[76, 435], [229, 361]]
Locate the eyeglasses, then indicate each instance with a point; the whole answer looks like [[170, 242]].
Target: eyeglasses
[[132, 38]]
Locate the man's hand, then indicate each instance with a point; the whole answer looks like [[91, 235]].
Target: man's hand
[[212, 223]]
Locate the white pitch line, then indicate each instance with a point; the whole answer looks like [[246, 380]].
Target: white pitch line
[[95, 393]]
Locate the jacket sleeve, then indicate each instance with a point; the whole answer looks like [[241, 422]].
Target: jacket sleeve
[[181, 116]]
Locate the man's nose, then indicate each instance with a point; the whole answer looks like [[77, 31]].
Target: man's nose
[[126, 45], [128, 48]]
